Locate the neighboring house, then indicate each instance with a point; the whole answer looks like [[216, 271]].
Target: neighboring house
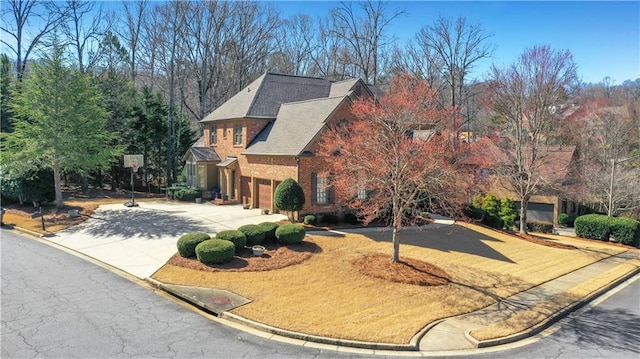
[[268, 132], [557, 170]]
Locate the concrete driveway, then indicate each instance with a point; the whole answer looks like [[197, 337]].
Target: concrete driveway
[[139, 240]]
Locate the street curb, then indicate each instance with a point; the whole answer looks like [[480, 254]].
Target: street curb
[[288, 333], [554, 318], [27, 231], [319, 339]]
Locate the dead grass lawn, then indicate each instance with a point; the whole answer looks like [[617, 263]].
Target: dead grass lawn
[[327, 295]]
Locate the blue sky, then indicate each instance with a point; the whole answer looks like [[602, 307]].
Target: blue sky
[[604, 37]]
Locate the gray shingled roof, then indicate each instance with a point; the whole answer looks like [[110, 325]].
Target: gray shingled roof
[[296, 125], [342, 88], [202, 154], [263, 97]]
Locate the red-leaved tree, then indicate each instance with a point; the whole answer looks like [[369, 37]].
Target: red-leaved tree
[[397, 157]]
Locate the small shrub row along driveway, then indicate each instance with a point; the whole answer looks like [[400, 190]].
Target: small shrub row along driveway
[[326, 295]]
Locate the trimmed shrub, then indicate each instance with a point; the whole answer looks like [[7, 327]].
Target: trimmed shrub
[[563, 219], [187, 194], [351, 218], [187, 243], [310, 219], [234, 236], [493, 221], [254, 233], [289, 196], [593, 226], [474, 212], [329, 219], [540, 227], [215, 251], [269, 229], [290, 233], [625, 230]]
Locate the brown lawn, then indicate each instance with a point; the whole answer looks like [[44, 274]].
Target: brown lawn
[[332, 293]]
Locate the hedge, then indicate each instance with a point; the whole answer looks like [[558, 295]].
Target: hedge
[[290, 233], [625, 230], [215, 251], [310, 219], [593, 226], [234, 236], [540, 227], [187, 243], [254, 233]]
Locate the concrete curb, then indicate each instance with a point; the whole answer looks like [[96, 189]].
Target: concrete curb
[[27, 231], [319, 339], [554, 318]]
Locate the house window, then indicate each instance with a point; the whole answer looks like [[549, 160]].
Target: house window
[[214, 134], [362, 193], [237, 134], [321, 191]]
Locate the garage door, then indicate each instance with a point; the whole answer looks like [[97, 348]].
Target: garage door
[[245, 189], [542, 212], [263, 188]]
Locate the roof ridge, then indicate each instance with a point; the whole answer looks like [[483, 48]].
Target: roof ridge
[[255, 96], [314, 100], [296, 76]]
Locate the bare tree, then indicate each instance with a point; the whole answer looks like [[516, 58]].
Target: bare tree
[[32, 21], [131, 34], [83, 31], [366, 36], [456, 47], [523, 96], [296, 43]]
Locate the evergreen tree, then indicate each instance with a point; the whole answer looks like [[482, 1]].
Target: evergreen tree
[[64, 123]]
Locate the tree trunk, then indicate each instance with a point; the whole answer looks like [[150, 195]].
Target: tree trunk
[[395, 258], [524, 203], [57, 185]]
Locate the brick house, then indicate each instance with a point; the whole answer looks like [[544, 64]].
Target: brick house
[[268, 132], [557, 170]]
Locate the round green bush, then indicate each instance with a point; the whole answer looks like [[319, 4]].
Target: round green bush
[[254, 233], [289, 196], [187, 243], [310, 219], [330, 219], [290, 233], [234, 236], [625, 230], [563, 219], [215, 251], [269, 229]]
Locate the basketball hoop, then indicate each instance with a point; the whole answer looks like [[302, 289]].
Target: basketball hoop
[[134, 167]]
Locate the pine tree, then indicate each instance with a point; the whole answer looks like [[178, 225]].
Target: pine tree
[[61, 126]]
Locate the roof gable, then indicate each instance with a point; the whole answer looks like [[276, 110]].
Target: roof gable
[[296, 126]]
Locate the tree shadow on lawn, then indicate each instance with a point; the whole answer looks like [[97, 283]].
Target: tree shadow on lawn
[[135, 222], [447, 239]]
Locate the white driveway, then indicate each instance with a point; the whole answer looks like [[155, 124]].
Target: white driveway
[[139, 240]]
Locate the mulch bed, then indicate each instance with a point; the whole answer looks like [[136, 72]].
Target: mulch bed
[[275, 257], [407, 271], [544, 242]]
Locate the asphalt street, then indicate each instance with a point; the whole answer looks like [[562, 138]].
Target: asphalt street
[[57, 305]]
